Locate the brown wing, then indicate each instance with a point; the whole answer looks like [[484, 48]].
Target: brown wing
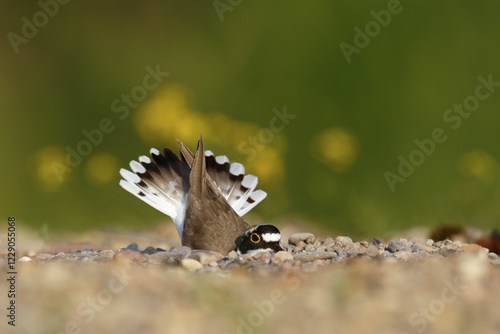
[[210, 222]]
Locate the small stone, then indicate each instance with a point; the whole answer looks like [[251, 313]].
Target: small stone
[[24, 259], [244, 258], [172, 256], [299, 248], [190, 264], [301, 244], [308, 257], [132, 247], [329, 242], [263, 257], [386, 254], [149, 250], [343, 241], [276, 261], [205, 257], [472, 248], [372, 251], [309, 247], [448, 252], [355, 249], [295, 238], [321, 249], [398, 245], [284, 256], [232, 255], [310, 240]]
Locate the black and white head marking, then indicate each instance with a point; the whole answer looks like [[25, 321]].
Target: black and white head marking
[[258, 239]]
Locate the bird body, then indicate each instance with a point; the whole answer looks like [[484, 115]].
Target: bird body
[[205, 196]]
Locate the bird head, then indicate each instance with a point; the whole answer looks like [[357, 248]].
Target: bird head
[[259, 238]]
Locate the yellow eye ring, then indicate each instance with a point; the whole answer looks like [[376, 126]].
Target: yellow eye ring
[[255, 238]]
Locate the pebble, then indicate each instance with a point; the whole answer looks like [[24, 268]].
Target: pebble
[[205, 257], [398, 246], [132, 247], [372, 251], [492, 256], [309, 247], [295, 238], [304, 252], [190, 264], [328, 242], [284, 256], [172, 256], [343, 242], [232, 255], [472, 248], [299, 247], [263, 257], [308, 257]]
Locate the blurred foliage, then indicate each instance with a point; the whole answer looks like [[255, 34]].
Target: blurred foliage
[[229, 75]]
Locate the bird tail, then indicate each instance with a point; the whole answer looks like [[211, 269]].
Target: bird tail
[[162, 182]]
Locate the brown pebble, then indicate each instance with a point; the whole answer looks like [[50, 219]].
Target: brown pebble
[[295, 238], [472, 248]]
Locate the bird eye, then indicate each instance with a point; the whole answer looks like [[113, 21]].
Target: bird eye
[[255, 238]]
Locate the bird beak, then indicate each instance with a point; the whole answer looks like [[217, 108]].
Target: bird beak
[[277, 248]]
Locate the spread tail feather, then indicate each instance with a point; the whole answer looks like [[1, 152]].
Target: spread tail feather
[[164, 180]]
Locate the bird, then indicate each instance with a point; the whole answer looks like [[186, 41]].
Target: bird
[[205, 196]]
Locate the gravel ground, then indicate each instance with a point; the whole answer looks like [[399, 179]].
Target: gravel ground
[[333, 285]]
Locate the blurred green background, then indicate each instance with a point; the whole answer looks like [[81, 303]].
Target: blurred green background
[[230, 65]]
